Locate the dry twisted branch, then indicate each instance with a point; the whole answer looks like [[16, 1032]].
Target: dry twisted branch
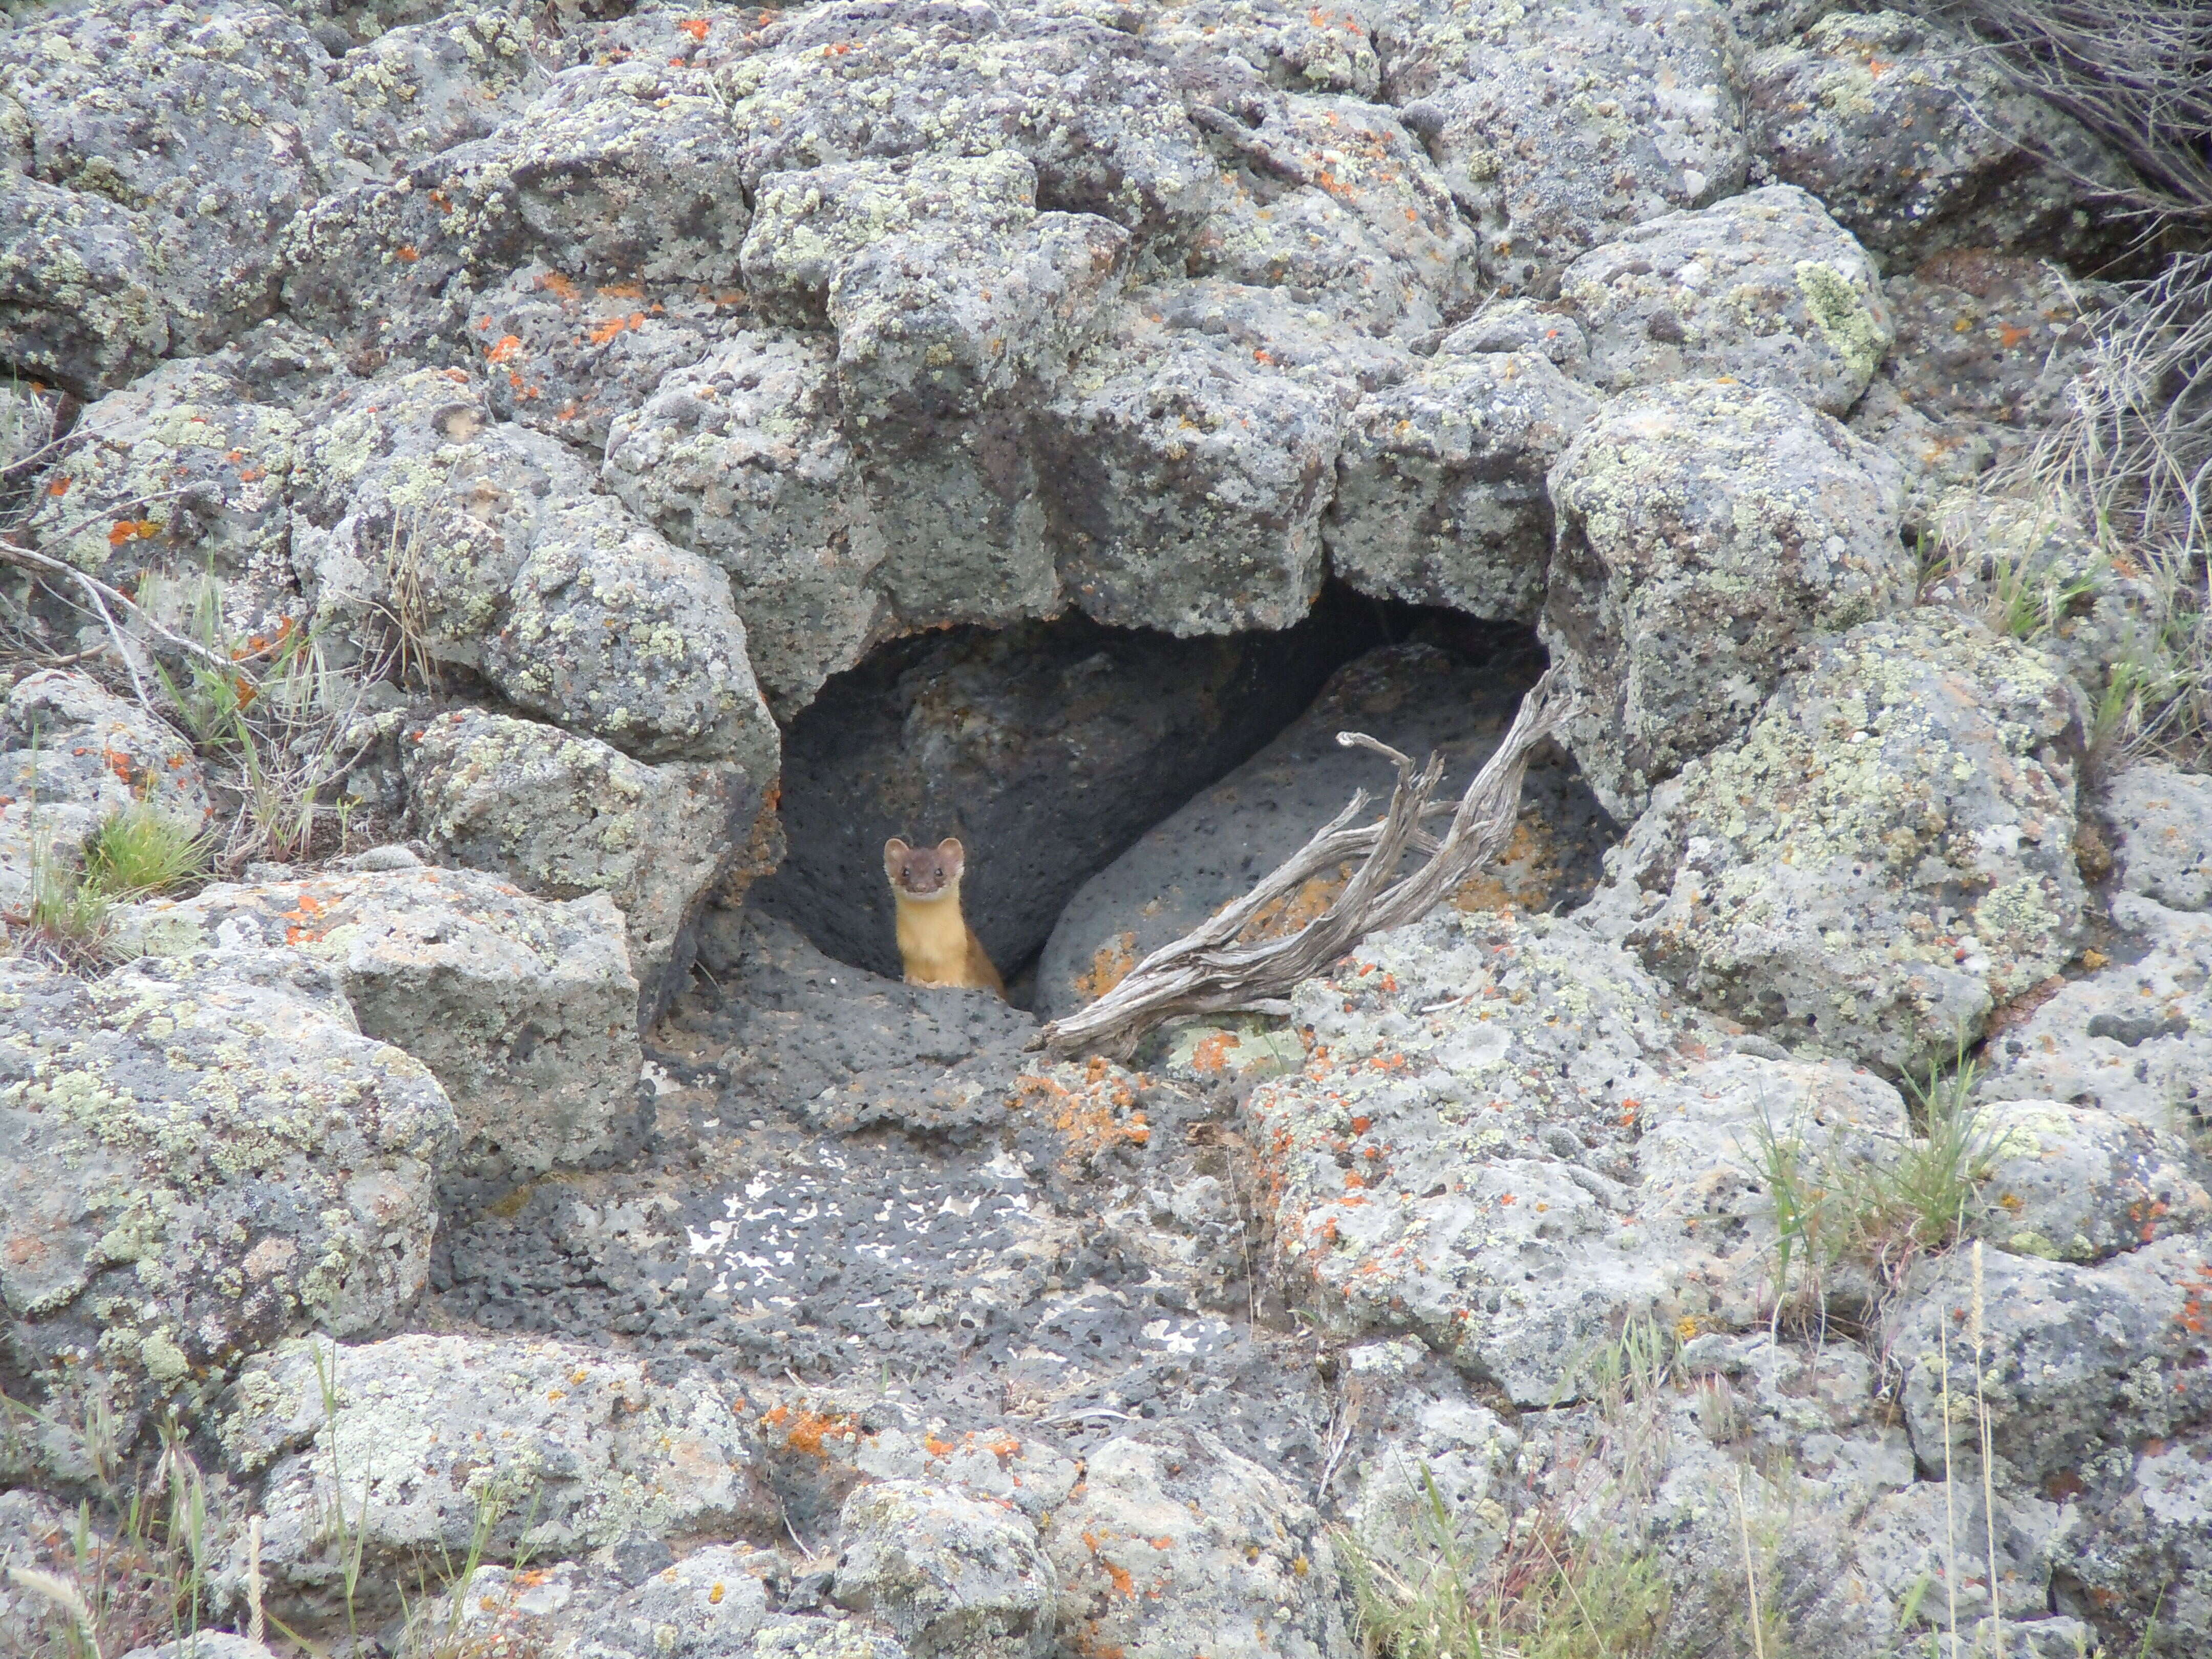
[[1207, 972]]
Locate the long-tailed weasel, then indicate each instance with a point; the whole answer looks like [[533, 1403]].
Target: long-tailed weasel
[[934, 939]]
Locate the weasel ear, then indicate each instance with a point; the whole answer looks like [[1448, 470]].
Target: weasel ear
[[954, 854], [895, 852]]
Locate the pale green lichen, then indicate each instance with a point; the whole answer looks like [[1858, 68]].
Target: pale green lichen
[[1845, 321]]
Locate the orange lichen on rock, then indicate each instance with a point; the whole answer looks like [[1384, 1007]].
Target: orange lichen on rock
[[805, 1430], [1521, 877], [1109, 968], [1093, 1109], [1282, 917]]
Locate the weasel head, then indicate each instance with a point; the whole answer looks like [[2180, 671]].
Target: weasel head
[[924, 872]]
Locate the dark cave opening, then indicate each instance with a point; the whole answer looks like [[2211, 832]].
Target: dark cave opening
[[1051, 748]]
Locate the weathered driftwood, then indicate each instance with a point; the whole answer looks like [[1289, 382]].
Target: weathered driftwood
[[1207, 972]]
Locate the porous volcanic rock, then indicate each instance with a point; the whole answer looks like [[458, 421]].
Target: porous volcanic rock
[[1919, 143], [1710, 535], [2134, 1037], [1418, 698], [1763, 288], [1561, 126], [73, 756], [1440, 493], [525, 1010], [1885, 856], [538, 1448], [563, 816], [198, 1157]]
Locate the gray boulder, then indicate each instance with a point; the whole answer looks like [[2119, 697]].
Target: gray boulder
[[740, 458], [1885, 856], [564, 816], [170, 136], [1440, 496], [1174, 1544], [431, 536], [954, 301], [2080, 1364], [949, 1573], [2080, 1183], [1505, 1143], [78, 288], [419, 88], [414, 512], [609, 176], [1709, 536], [198, 472], [709, 1604], [1985, 336], [1763, 288], [524, 1448], [197, 1158], [525, 1012], [1561, 127], [609, 629], [1918, 143], [1192, 453], [2162, 819], [566, 357], [1088, 104], [73, 756], [1336, 200], [1417, 698], [2134, 1037]]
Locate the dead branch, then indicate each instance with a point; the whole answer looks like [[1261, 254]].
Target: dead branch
[[102, 596], [1207, 972]]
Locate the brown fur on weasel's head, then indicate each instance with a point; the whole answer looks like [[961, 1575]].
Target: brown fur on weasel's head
[[925, 872], [935, 943]]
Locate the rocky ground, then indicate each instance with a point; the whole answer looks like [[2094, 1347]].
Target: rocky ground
[[503, 508]]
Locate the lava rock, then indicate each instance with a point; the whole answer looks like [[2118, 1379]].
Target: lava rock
[[473, 1446], [2080, 1183], [1440, 496], [1047, 750], [1763, 288], [1885, 856], [2163, 819], [845, 1049], [1174, 1543], [72, 756], [949, 1574], [1709, 536], [181, 476], [2134, 1037], [198, 1157], [524, 1011], [1417, 698], [564, 816], [1919, 143], [1560, 126], [1413, 1183]]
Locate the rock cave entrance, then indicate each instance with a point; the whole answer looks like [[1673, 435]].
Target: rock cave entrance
[[1113, 786]]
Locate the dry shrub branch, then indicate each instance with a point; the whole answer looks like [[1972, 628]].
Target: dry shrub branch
[[2137, 73], [1206, 971]]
